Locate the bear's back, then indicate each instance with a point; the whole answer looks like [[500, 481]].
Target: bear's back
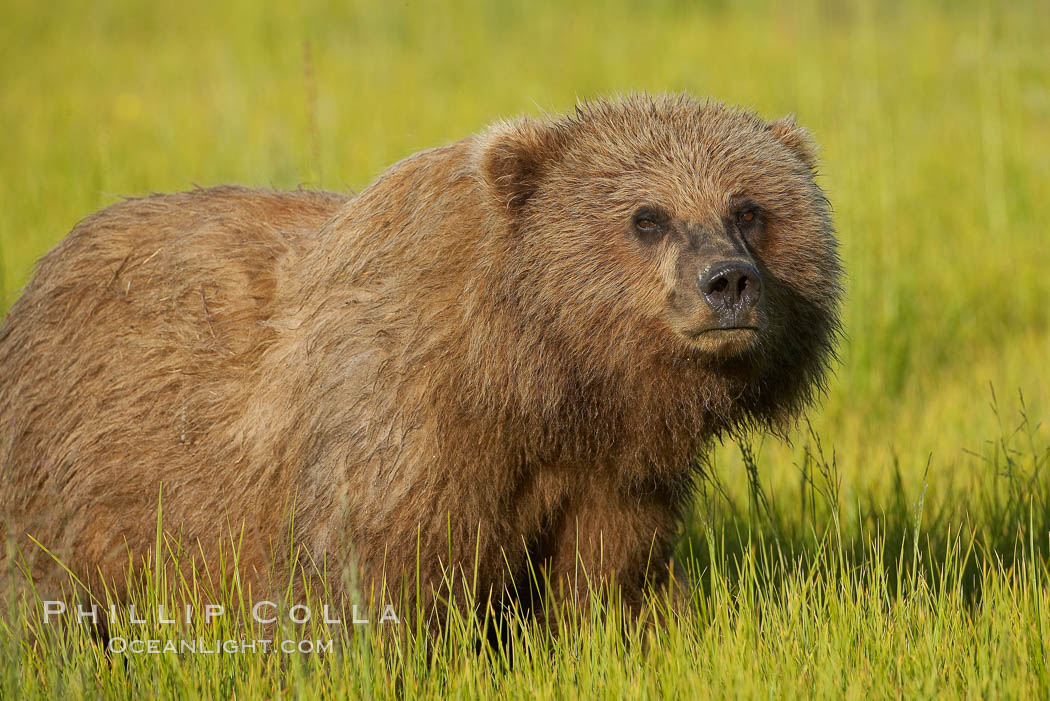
[[114, 360]]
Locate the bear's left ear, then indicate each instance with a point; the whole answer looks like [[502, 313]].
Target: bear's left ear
[[514, 157], [796, 138]]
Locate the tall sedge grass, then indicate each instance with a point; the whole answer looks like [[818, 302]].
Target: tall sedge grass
[[827, 599]]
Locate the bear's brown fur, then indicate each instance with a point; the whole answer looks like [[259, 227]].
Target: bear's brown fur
[[498, 351]]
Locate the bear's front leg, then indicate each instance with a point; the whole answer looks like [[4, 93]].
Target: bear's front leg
[[610, 538]]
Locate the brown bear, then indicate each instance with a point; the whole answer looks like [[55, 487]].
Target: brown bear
[[500, 358]]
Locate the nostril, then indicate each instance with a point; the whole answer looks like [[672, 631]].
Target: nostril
[[731, 286]]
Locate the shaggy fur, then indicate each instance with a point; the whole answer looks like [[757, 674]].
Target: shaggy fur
[[475, 361]]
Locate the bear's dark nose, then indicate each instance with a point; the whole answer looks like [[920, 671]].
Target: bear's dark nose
[[731, 287]]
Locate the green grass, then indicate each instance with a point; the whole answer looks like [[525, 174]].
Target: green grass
[[907, 556]]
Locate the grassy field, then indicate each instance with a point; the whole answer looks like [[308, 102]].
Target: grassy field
[[897, 546]]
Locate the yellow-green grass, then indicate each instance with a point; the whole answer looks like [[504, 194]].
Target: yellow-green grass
[[934, 126]]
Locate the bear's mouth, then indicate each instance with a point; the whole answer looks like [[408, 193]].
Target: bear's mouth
[[724, 341], [721, 330]]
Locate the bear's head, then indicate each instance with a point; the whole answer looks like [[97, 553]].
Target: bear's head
[[664, 230]]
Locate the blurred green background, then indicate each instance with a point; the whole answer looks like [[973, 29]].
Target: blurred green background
[[933, 122]]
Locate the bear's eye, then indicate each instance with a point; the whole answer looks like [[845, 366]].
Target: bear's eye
[[749, 220], [747, 217], [648, 223]]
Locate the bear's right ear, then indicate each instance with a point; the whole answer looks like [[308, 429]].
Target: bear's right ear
[[514, 157], [796, 138]]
